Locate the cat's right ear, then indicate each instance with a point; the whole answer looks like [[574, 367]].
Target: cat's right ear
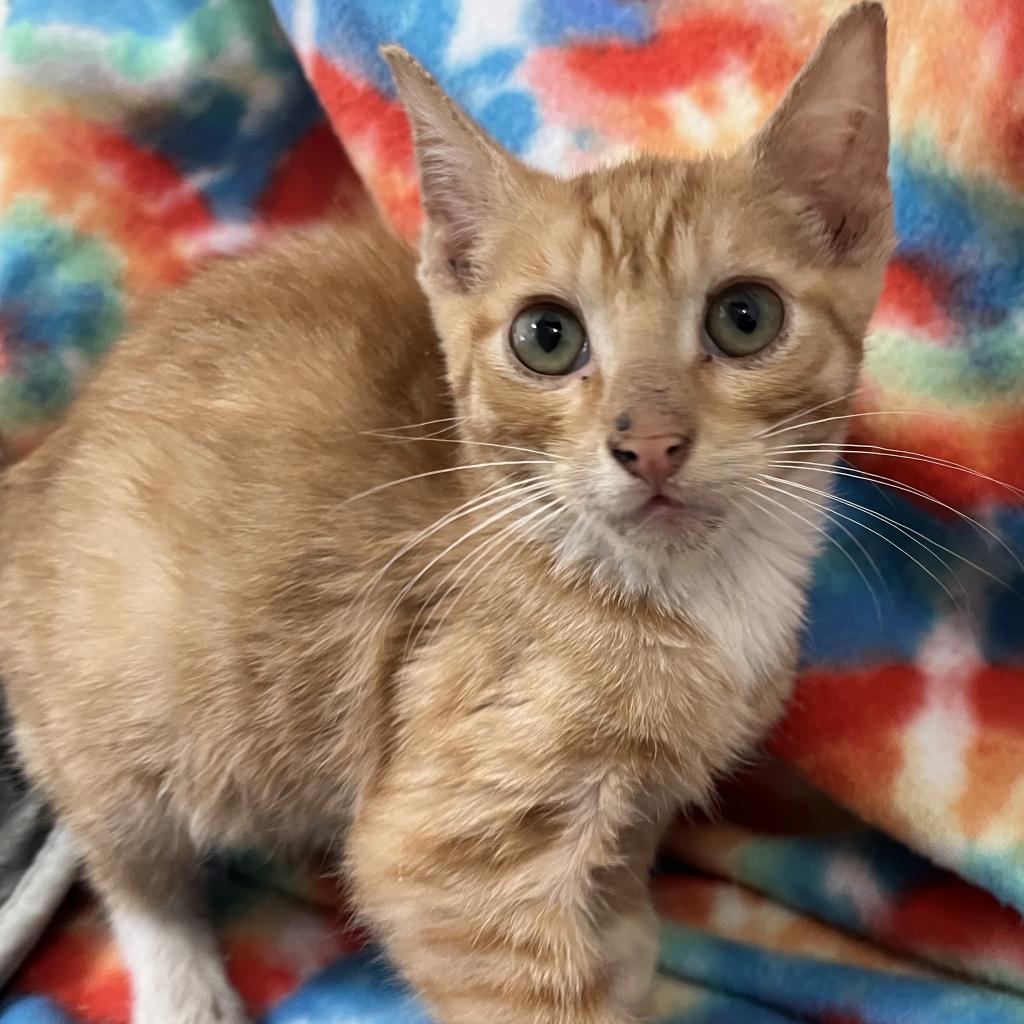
[[465, 177]]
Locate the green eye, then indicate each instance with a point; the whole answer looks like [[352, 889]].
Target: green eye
[[743, 319], [549, 339]]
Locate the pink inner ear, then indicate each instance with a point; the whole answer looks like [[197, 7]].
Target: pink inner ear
[[844, 224], [863, 165], [829, 138], [459, 175], [836, 154], [837, 139]]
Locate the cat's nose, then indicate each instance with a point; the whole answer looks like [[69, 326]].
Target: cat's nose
[[653, 459]]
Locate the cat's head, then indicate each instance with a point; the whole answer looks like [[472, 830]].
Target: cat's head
[[645, 327]]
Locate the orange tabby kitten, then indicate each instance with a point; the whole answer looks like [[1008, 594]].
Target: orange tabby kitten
[[487, 660]]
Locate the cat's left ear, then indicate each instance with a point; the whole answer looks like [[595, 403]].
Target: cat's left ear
[[829, 138], [465, 177]]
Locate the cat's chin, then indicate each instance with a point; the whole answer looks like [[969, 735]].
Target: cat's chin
[[644, 550]]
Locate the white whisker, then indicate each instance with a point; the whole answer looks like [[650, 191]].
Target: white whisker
[[773, 427], [439, 472], [415, 426], [514, 531], [882, 536], [853, 473], [480, 444], [908, 531], [883, 412], [828, 537], [413, 437], [474, 504], [894, 453], [461, 539]]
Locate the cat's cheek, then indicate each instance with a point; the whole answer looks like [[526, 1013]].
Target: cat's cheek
[[743, 398]]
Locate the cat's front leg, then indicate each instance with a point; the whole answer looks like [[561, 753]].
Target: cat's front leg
[[508, 908], [142, 862], [631, 947]]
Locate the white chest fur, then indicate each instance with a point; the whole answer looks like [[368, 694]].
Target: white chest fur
[[744, 590]]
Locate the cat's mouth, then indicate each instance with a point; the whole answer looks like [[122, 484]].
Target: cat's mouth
[[665, 513], [662, 505]]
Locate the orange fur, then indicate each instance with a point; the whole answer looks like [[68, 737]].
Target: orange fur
[[260, 589]]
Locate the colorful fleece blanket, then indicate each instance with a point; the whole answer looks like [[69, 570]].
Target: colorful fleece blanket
[[869, 868]]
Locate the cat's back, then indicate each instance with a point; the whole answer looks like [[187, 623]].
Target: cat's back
[[208, 459], [322, 335], [327, 317], [257, 371]]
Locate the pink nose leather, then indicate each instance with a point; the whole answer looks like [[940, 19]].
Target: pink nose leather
[[652, 459]]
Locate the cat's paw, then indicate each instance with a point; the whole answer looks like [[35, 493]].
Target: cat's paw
[[196, 998], [177, 973], [202, 1011]]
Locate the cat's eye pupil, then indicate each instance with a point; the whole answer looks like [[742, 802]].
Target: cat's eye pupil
[[549, 332], [744, 314]]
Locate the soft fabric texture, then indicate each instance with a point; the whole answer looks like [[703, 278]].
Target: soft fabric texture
[[871, 871], [136, 139]]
